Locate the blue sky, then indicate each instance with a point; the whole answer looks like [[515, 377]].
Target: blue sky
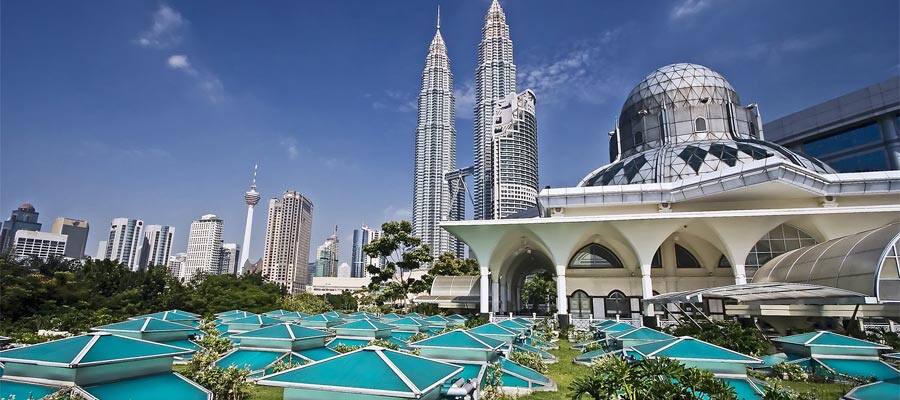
[[158, 110]]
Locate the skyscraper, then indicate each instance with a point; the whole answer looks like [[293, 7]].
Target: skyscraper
[[77, 232], [231, 253], [495, 77], [515, 155], [435, 150], [126, 236], [101, 250], [157, 244], [327, 256], [38, 244], [23, 218], [359, 260], [251, 197], [204, 249], [175, 263], [288, 231]]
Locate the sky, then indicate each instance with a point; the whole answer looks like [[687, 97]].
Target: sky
[[158, 110]]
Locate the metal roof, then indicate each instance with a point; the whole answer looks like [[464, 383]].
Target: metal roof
[[771, 293]]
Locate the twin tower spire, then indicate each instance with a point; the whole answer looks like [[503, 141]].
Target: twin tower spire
[[435, 198]]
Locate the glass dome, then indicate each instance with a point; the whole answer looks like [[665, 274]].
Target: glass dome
[[684, 120]]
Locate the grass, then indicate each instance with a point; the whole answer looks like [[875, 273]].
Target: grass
[[820, 390], [563, 372]]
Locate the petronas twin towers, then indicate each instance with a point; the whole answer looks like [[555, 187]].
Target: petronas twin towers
[[505, 133]]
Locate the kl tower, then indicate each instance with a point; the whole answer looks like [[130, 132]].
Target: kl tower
[[251, 197]]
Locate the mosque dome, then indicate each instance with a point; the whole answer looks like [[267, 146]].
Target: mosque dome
[[683, 120]]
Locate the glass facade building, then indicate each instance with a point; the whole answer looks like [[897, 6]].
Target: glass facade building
[[856, 132]]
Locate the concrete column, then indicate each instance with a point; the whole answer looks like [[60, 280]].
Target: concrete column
[[495, 296], [483, 295], [740, 274], [562, 302], [892, 141], [646, 288]]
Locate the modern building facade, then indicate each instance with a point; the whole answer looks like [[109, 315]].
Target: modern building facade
[[693, 198], [231, 254], [856, 132], [38, 244], [251, 198], [327, 256], [157, 245], [76, 231], [124, 242], [175, 263], [343, 271], [514, 153], [495, 77], [101, 250], [22, 218], [435, 150], [204, 248], [288, 234], [359, 259]]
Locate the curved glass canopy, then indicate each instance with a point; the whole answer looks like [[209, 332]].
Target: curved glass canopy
[[864, 262]]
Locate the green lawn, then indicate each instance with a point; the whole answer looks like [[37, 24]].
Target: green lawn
[[266, 393]]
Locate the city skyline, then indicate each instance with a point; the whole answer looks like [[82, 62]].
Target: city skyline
[[599, 51]]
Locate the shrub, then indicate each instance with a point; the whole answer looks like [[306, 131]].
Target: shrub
[[476, 321], [656, 379], [492, 389], [530, 360], [285, 365], [728, 334], [592, 346], [385, 343], [226, 384], [417, 337], [790, 372], [580, 336], [343, 348]]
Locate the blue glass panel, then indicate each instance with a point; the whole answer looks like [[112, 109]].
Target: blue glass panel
[[843, 140], [871, 161]]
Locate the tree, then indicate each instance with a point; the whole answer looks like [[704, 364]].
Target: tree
[[613, 377], [448, 265], [402, 252], [539, 289], [305, 302]]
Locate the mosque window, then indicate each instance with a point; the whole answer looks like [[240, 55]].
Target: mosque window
[[700, 124], [616, 303], [638, 138], [595, 256], [580, 305], [657, 260], [684, 258], [776, 242], [723, 262]]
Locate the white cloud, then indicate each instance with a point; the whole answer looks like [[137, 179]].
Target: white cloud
[[165, 31], [180, 61], [465, 100], [688, 8], [394, 100], [773, 50], [290, 146], [586, 70], [394, 213], [95, 149]]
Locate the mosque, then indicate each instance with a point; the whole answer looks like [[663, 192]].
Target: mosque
[[696, 202]]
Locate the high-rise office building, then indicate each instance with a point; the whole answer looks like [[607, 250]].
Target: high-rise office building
[[435, 150], [175, 263], [359, 260], [101, 250], [327, 256], [157, 244], [23, 218], [343, 270], [204, 248], [855, 132], [495, 78], [288, 231], [123, 244], [76, 231], [38, 244], [251, 198], [514, 154], [231, 254]]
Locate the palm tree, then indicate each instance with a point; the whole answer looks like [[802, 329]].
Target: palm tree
[[614, 378]]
